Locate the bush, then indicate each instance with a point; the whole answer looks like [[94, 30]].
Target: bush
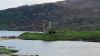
[[51, 31]]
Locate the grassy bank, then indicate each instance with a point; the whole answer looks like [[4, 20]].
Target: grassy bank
[[63, 35], [7, 51]]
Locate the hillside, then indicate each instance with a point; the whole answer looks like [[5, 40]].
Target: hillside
[[73, 14]]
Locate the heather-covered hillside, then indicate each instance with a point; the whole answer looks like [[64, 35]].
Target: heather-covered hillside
[[73, 14]]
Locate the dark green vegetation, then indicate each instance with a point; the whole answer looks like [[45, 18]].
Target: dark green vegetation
[[7, 51], [73, 14], [63, 35]]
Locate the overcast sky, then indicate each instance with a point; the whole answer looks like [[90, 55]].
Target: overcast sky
[[4, 4]]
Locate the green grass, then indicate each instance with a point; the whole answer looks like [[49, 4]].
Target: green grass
[[63, 35], [7, 51]]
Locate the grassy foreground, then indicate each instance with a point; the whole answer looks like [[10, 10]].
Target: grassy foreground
[[7, 51], [63, 35]]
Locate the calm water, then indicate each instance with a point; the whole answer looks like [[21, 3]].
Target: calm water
[[10, 33], [54, 48], [13, 33]]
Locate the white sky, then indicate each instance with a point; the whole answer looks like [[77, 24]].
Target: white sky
[[4, 4]]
